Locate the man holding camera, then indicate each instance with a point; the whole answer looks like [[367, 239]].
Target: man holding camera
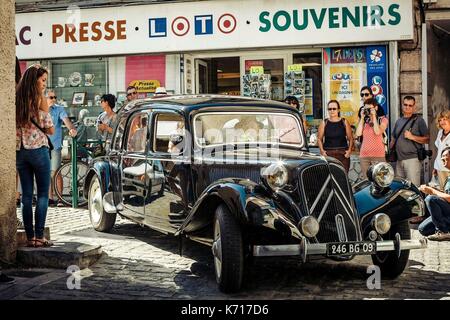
[[411, 133]]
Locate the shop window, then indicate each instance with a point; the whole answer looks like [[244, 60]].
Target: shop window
[[169, 133], [312, 67], [79, 84], [264, 79], [218, 76]]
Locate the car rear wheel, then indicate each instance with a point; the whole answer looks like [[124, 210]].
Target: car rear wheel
[[228, 251], [101, 220], [391, 266]]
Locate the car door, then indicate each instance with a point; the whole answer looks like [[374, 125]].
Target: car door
[[134, 167], [171, 173]]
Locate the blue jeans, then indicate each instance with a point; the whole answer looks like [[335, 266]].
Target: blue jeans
[[34, 163], [440, 216]]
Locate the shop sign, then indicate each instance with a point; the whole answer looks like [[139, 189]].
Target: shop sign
[[295, 67], [219, 25], [144, 86], [257, 70]]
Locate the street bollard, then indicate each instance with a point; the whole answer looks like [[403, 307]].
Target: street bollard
[[74, 173]]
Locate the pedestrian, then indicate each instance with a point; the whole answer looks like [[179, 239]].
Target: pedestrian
[[442, 141], [131, 93], [105, 121], [160, 92], [33, 124], [335, 137], [293, 102], [410, 132], [437, 225], [371, 127], [59, 116]]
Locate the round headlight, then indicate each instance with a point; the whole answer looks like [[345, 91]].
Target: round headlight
[[309, 226], [381, 223], [382, 174], [276, 175]]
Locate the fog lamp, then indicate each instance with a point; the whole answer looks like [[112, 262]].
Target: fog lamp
[[275, 175], [309, 226], [381, 223], [382, 174]]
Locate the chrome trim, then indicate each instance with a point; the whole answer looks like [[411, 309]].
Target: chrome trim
[[321, 248], [325, 207], [346, 211], [311, 210], [340, 227]]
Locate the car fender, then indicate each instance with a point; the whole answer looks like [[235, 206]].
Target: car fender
[[102, 170], [397, 201], [249, 207]]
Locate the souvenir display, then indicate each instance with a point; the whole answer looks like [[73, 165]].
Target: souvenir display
[[257, 86], [75, 79], [62, 82], [89, 79], [295, 85]]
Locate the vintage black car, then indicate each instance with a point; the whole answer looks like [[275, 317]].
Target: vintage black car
[[237, 175]]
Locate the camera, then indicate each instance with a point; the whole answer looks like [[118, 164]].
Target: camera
[[366, 111], [423, 153]]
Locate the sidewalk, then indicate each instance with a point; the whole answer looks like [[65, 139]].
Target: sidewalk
[[139, 263]]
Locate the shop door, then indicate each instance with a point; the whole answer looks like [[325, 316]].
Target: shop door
[[201, 76]]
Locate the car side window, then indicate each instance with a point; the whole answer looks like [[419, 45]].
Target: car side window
[[119, 134], [169, 133], [137, 133]]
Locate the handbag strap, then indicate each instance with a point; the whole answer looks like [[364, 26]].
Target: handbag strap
[[404, 126], [50, 145]]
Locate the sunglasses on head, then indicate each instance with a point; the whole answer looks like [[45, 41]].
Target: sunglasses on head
[[52, 97], [366, 94]]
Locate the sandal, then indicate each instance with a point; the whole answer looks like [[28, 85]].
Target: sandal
[[43, 243], [31, 243]]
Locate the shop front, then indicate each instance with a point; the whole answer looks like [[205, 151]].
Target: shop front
[[313, 50]]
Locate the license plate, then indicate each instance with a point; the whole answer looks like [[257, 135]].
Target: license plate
[[351, 248]]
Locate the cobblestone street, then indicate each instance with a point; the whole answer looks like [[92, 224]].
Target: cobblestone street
[[139, 263]]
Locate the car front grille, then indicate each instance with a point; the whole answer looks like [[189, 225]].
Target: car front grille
[[326, 196]]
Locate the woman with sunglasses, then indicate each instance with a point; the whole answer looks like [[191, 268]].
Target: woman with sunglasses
[[33, 124], [335, 138], [371, 127]]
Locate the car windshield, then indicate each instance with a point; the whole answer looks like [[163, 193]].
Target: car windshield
[[247, 127]]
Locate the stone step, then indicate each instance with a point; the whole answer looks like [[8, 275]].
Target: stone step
[[60, 256], [22, 236]]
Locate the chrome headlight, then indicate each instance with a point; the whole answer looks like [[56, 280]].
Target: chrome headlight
[[381, 223], [309, 226], [382, 174], [275, 175]]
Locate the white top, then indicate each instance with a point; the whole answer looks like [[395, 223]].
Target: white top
[[441, 145]]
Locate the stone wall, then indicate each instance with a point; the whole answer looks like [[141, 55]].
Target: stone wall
[[8, 218]]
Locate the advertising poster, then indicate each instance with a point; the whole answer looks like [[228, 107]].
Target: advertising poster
[[377, 74]]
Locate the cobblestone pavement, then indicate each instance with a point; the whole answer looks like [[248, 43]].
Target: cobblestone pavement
[[139, 263]]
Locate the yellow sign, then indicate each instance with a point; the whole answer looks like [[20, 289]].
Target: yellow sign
[[143, 86], [257, 70], [295, 67]]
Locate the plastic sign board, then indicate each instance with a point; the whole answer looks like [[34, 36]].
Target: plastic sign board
[[145, 85], [257, 70], [295, 67]]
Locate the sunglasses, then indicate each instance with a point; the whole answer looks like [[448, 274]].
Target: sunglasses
[[332, 109], [365, 94], [408, 105], [52, 97], [131, 93]]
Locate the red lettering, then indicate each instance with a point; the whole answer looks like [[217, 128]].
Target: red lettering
[[96, 30], [70, 33], [121, 29], [84, 31], [109, 30], [57, 31]]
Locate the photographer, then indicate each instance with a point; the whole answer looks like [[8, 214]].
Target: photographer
[[411, 133], [371, 127]]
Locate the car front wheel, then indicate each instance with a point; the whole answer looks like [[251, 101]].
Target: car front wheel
[[391, 265], [228, 251], [101, 220]]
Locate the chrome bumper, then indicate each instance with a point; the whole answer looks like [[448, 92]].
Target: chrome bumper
[[306, 249]]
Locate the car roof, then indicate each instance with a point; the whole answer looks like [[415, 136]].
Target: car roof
[[189, 103]]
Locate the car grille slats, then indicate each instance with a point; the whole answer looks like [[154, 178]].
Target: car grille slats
[[326, 196], [217, 172]]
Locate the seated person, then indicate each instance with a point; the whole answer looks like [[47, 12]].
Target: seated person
[[176, 139], [248, 129], [138, 138]]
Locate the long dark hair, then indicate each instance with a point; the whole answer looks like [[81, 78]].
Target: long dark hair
[[292, 99], [28, 95], [18, 72], [374, 102]]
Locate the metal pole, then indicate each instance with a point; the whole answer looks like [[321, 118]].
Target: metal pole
[[74, 173]]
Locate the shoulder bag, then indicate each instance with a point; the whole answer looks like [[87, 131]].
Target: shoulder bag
[[50, 144], [391, 156]]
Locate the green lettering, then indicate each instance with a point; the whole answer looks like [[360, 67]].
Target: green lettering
[[305, 20], [376, 12], [365, 11], [263, 19], [396, 15], [318, 21], [333, 17], [347, 15], [276, 19]]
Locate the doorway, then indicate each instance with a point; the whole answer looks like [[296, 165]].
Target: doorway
[[218, 76]]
